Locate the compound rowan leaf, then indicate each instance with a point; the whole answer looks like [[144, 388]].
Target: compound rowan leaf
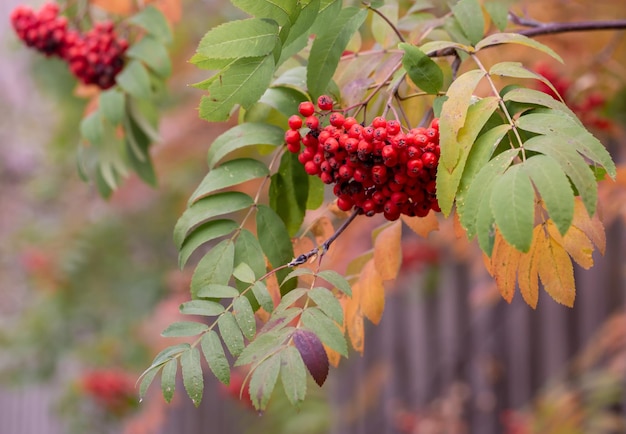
[[513, 205], [388, 251], [329, 45], [293, 375], [216, 290], [146, 380], [592, 227], [192, 375], [516, 38], [184, 328], [422, 226], [274, 239], [231, 333], [575, 243], [337, 280], [277, 10], [289, 192], [201, 307], [248, 252], [504, 263], [168, 379], [215, 267], [135, 80], [326, 329], [313, 355], [262, 295], [372, 297], [527, 273], [153, 53], [154, 22], [453, 114], [327, 302], [469, 15], [253, 37], [243, 135], [215, 356], [263, 381], [264, 345], [536, 97], [245, 316], [203, 234], [169, 353], [517, 70], [555, 271]]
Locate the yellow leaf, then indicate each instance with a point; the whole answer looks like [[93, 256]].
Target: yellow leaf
[[576, 243], [504, 262], [590, 226], [422, 226], [388, 251], [527, 277], [555, 270], [354, 321], [372, 293]]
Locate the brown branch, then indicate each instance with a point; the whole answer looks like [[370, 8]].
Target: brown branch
[[582, 26]]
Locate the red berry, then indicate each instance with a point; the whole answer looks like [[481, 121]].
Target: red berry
[[430, 160], [325, 102], [393, 127], [292, 137], [345, 203], [312, 122], [379, 122], [295, 122], [306, 108], [336, 119], [311, 168]]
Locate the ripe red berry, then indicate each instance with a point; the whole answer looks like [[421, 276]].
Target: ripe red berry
[[344, 202], [393, 127], [311, 168], [336, 119], [379, 122], [292, 137], [306, 108], [295, 122], [430, 160], [325, 102], [312, 122]]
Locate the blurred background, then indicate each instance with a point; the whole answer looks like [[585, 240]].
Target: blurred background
[[87, 284]]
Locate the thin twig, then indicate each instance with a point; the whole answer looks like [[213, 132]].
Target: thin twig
[[582, 26], [393, 27], [321, 250]]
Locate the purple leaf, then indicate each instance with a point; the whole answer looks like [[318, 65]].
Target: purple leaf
[[313, 354]]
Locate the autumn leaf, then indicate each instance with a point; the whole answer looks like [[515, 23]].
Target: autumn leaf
[[313, 355], [388, 252], [422, 226], [592, 227], [575, 243], [117, 7], [527, 274], [555, 270], [372, 292], [333, 356], [504, 262], [353, 319]]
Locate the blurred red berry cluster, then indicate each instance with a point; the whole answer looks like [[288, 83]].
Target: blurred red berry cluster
[[94, 57], [375, 168], [585, 106], [114, 390]]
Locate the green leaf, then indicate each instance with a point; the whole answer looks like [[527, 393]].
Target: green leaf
[[168, 353], [513, 206], [138, 142], [112, 105], [517, 70], [214, 268], [231, 333], [274, 238], [263, 381], [302, 24], [201, 307], [516, 38], [288, 192], [153, 21], [326, 329], [230, 173], [328, 303], [242, 271], [264, 345], [207, 232], [92, 128], [252, 37], [469, 15], [281, 320], [498, 10], [293, 375], [433, 46], [248, 251], [244, 135], [184, 328], [205, 209], [262, 295], [485, 221], [192, 375], [572, 164], [554, 188], [562, 127], [245, 317], [284, 99], [453, 114], [215, 357], [315, 197], [383, 30], [479, 155], [329, 46], [146, 380], [337, 280], [243, 84], [213, 290], [135, 80], [277, 10], [153, 53], [422, 70], [536, 97], [290, 298], [168, 379], [211, 64], [477, 190], [297, 273], [448, 181]]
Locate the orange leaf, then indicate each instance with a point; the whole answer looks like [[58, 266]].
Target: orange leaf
[[527, 277], [590, 226], [388, 252], [576, 243], [556, 271], [172, 9], [372, 292], [117, 7], [354, 321], [422, 226], [333, 356], [504, 262]]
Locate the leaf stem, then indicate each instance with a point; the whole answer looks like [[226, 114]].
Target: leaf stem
[[388, 21]]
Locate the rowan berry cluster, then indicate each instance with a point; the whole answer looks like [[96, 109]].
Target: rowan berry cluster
[[94, 57], [376, 168], [114, 390]]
